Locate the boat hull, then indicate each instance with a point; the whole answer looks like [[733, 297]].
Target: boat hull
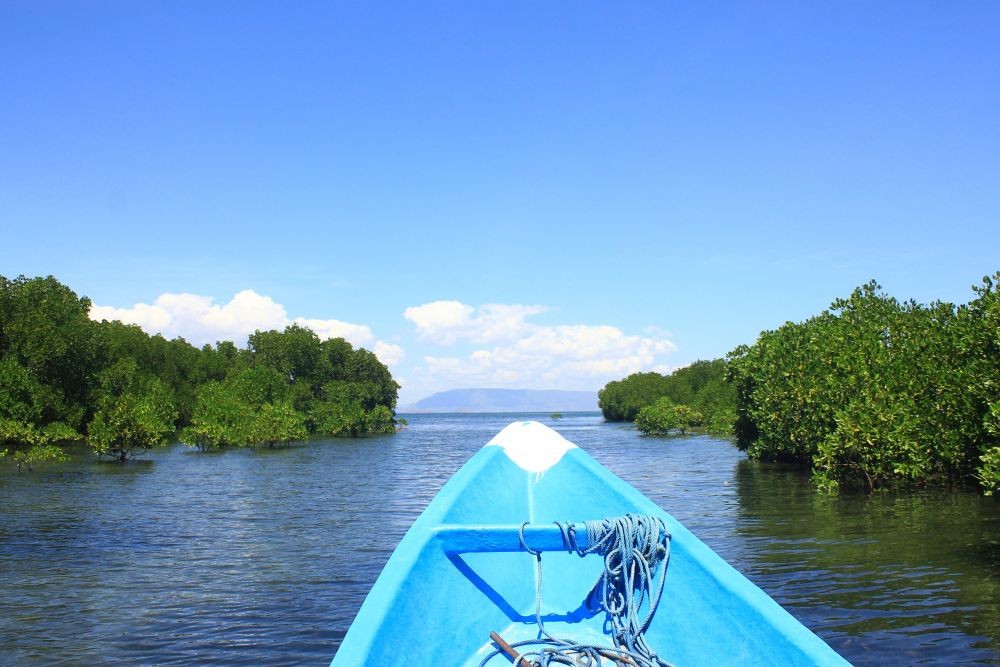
[[440, 595]]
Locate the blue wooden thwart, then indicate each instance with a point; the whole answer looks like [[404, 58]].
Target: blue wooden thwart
[[460, 572], [459, 539]]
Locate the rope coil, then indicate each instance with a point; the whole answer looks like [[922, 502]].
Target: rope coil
[[633, 547]]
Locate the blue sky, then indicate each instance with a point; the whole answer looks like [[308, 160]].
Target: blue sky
[[578, 190]]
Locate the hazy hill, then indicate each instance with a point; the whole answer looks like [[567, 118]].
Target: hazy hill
[[506, 400]]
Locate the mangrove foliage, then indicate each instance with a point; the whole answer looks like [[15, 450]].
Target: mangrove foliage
[[664, 416], [876, 391], [871, 392], [694, 396], [64, 377]]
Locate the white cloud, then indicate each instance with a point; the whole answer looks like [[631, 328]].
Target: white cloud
[[388, 354], [357, 334], [440, 320], [584, 342], [448, 322], [208, 322], [199, 320], [150, 318], [528, 355]]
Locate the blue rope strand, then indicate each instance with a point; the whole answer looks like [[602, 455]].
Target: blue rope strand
[[634, 547]]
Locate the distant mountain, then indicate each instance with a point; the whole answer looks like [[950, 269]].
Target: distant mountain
[[506, 400]]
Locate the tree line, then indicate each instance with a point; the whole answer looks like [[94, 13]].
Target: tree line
[[870, 392], [691, 397], [876, 391], [64, 377]]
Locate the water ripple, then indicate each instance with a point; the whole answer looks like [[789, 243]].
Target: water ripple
[[264, 557]]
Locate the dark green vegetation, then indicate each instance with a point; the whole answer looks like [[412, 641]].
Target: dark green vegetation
[[697, 395], [664, 416], [875, 391], [291, 384], [871, 392], [64, 377]]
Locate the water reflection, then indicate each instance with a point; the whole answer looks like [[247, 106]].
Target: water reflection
[[264, 557], [884, 577]]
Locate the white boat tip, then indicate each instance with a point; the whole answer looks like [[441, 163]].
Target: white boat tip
[[532, 446]]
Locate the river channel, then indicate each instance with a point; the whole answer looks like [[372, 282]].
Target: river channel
[[264, 557]]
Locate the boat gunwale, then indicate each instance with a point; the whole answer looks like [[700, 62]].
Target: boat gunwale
[[422, 535]]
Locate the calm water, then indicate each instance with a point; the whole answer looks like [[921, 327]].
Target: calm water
[[264, 557]]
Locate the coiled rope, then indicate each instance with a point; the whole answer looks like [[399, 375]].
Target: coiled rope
[[633, 547]]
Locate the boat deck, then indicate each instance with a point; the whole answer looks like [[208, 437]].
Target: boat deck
[[521, 631], [460, 573]]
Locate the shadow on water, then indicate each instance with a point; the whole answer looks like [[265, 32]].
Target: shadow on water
[[887, 577]]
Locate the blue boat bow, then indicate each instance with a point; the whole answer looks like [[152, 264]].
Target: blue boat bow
[[460, 572]]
